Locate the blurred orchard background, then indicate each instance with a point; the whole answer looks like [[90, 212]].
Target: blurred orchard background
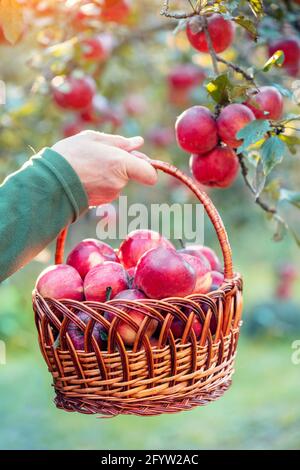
[[139, 63]]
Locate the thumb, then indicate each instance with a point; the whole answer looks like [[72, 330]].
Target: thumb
[[140, 170]]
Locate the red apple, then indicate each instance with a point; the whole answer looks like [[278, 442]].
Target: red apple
[[231, 120], [72, 92], [290, 46], [178, 327], [185, 76], [77, 334], [100, 278], [196, 130], [154, 342], [90, 253], [127, 333], [131, 271], [267, 103], [98, 48], [220, 30], [218, 168], [213, 321], [97, 112], [200, 251], [202, 269], [137, 243], [60, 282], [162, 272], [217, 280], [211, 256]]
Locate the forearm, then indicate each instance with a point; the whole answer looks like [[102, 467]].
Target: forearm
[[35, 204]]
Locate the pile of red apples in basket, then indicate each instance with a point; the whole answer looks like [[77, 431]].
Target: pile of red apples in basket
[[146, 266]]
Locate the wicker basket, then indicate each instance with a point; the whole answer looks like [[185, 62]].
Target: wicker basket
[[173, 376]]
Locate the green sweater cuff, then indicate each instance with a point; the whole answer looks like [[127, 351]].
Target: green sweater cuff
[[68, 179]]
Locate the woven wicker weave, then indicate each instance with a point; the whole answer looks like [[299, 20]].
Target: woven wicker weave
[[173, 376]]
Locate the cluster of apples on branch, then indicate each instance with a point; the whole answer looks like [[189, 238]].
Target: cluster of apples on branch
[[146, 266], [212, 138]]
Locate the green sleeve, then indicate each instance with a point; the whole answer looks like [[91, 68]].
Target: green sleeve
[[36, 202]]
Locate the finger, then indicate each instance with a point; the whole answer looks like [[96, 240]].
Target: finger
[[140, 170], [119, 141], [141, 155]]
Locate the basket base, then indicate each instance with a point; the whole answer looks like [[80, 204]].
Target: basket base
[[143, 408]]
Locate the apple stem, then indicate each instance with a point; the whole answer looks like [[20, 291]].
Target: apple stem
[[181, 243], [212, 52], [108, 294]]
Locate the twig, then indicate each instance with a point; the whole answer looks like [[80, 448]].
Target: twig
[[212, 52], [176, 15], [237, 69], [258, 200], [292, 128], [192, 5]]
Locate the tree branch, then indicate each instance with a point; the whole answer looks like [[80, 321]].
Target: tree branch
[[258, 200], [237, 69], [212, 52], [176, 15]]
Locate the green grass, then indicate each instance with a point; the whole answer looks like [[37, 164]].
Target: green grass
[[260, 411]]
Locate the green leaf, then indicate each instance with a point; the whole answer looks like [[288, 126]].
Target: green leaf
[[293, 197], [257, 7], [272, 152], [247, 24], [291, 141], [238, 93], [284, 91], [277, 59], [253, 132], [272, 190], [280, 228], [253, 158], [218, 89], [259, 179]]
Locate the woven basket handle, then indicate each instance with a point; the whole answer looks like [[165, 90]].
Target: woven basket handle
[[203, 198]]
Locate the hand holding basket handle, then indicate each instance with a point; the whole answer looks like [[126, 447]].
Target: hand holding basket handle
[[166, 378], [203, 198]]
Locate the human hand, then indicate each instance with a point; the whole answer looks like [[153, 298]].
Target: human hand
[[105, 163]]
